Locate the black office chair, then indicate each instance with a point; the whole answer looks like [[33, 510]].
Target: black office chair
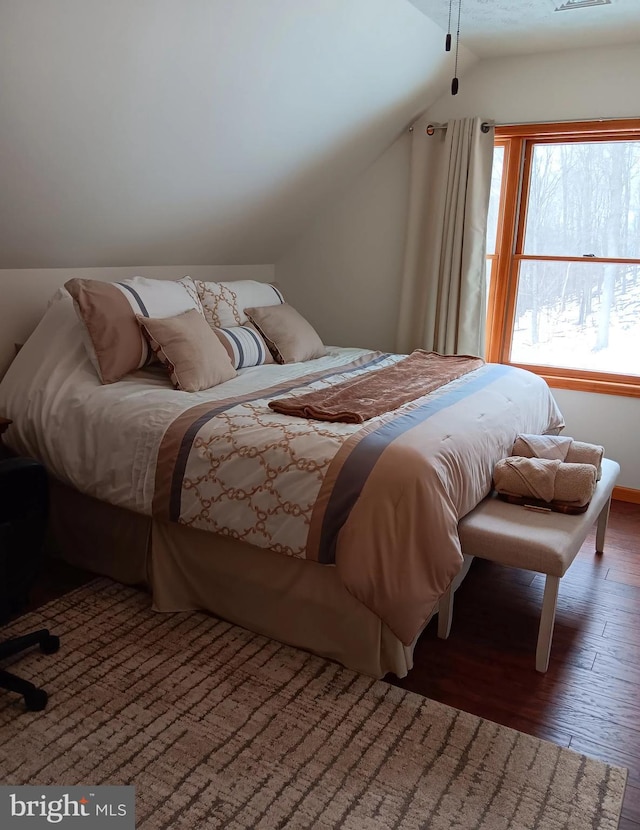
[[23, 519]]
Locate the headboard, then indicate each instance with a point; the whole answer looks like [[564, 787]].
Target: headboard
[[25, 292]]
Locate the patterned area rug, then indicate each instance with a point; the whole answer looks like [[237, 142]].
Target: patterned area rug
[[218, 727]]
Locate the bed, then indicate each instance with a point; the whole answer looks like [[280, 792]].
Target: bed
[[338, 537]]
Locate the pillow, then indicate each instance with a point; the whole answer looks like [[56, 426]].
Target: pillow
[[224, 302], [289, 336], [108, 310], [245, 346], [192, 354]]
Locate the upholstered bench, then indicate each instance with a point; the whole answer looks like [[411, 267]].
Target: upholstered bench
[[537, 541]]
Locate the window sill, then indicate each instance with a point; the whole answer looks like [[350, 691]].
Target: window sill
[[622, 385]]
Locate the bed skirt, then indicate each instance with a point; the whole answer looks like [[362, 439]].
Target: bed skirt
[[298, 602]]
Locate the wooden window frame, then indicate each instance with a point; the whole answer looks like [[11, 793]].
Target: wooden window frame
[[518, 142]]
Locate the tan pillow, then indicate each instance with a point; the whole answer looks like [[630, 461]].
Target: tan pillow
[[291, 338], [193, 355]]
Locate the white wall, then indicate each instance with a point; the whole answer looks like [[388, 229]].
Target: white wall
[[555, 86], [343, 274], [344, 270], [146, 131]]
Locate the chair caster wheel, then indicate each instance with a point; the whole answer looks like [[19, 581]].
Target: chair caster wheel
[[35, 700], [50, 644]]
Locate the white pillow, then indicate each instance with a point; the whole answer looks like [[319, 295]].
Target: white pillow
[[224, 303]]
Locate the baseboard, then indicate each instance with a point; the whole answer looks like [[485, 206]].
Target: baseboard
[[626, 494]]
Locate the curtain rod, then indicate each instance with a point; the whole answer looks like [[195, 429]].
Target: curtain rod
[[431, 128]]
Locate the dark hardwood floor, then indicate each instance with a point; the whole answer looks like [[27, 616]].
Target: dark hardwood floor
[[590, 697]]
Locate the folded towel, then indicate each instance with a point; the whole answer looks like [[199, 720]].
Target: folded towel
[[581, 453], [575, 483], [542, 446], [561, 448], [546, 479]]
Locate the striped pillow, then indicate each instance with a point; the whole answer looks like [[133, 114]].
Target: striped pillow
[[113, 340], [245, 346]]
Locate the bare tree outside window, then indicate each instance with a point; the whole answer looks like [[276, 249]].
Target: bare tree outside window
[[577, 301]]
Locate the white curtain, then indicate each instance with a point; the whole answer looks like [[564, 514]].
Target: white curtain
[[442, 302]]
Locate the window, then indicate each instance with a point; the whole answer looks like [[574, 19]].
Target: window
[[563, 254]]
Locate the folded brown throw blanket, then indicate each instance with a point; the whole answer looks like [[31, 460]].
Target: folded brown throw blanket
[[559, 447], [547, 480], [380, 391]]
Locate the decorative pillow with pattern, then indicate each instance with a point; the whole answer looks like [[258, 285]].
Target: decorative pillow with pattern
[[113, 340], [224, 303], [245, 346]]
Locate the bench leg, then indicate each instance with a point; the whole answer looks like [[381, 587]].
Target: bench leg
[[547, 620], [603, 520], [445, 614]]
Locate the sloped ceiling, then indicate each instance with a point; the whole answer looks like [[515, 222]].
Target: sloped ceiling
[[197, 131]]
